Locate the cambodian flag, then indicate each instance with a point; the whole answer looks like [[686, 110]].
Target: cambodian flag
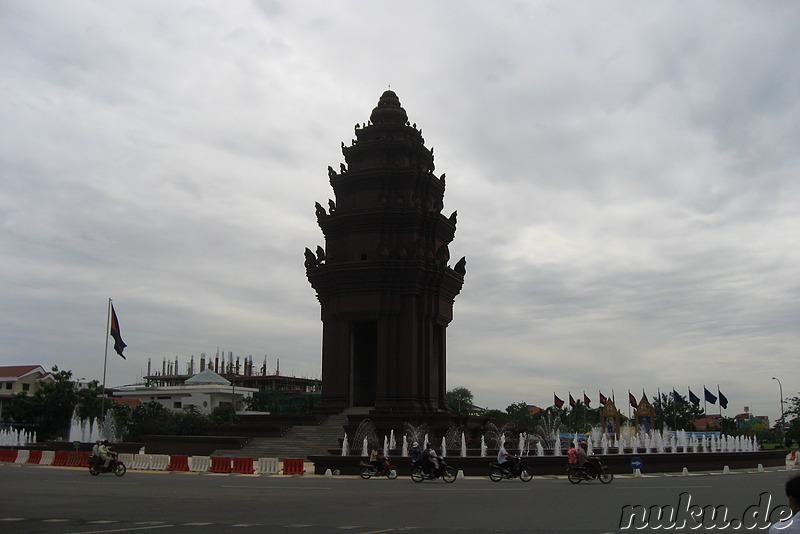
[[119, 345]]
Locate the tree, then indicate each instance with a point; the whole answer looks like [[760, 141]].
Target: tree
[[793, 425], [675, 415], [50, 408], [459, 400], [519, 414], [89, 401], [150, 418]]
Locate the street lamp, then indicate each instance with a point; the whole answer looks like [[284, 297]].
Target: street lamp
[[783, 431]]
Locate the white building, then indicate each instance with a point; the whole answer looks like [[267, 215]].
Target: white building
[[205, 391]]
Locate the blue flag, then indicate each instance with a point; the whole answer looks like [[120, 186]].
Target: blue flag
[[723, 400], [677, 398], [694, 399]]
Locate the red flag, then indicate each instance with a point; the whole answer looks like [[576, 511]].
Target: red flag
[[572, 402], [119, 345], [586, 400], [603, 399], [558, 402], [632, 400]]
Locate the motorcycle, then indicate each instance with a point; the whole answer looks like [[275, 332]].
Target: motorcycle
[[497, 472], [445, 472], [576, 473], [386, 469], [115, 466]]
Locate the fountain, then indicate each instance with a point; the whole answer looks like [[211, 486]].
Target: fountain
[[16, 438], [392, 441], [463, 445], [454, 439], [539, 449], [404, 452], [416, 433], [444, 447], [483, 447], [345, 446], [366, 435], [385, 446]]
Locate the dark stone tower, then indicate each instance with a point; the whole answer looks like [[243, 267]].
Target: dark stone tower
[[383, 279]]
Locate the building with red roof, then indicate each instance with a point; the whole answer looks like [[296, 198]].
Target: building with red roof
[[22, 379]]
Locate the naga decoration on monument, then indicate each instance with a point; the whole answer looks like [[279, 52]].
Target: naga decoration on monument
[[383, 278]]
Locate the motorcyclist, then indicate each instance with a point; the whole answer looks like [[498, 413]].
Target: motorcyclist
[[591, 463], [416, 452], [94, 457], [507, 461], [572, 455], [373, 458], [430, 461], [105, 453]]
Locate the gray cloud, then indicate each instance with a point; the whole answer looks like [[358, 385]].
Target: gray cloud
[[625, 177]]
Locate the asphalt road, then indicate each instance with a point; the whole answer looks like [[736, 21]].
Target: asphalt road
[[36, 499]]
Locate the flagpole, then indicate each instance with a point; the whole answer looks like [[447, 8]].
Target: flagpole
[[105, 365], [705, 401], [660, 411]]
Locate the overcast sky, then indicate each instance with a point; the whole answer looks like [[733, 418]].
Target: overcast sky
[[625, 175]]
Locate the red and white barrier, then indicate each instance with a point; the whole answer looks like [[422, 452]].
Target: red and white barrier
[[161, 462]]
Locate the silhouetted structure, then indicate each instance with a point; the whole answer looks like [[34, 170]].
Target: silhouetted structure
[[383, 279]]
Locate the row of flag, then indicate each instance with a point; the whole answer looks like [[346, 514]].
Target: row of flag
[[708, 396]]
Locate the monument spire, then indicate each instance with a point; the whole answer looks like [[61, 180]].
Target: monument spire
[[383, 280]]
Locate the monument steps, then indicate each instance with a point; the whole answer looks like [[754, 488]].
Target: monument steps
[[299, 442]]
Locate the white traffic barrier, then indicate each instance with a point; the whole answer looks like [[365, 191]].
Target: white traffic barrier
[[685, 472], [268, 466], [141, 461], [22, 456], [760, 468], [637, 472], [726, 470], [126, 458], [160, 462], [47, 457], [199, 464]]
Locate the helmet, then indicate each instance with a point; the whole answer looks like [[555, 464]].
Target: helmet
[[415, 444]]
